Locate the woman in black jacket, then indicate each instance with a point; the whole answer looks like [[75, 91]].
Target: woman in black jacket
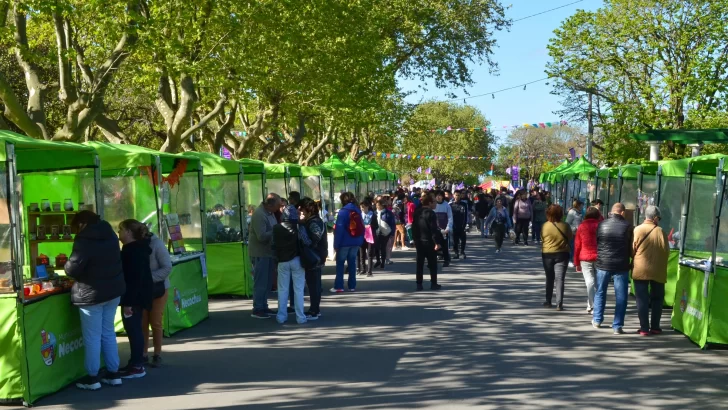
[[95, 265], [428, 238], [316, 231], [139, 290]]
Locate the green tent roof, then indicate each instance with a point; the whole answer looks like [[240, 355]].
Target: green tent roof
[[252, 166], [214, 164], [603, 173], [363, 174], [702, 165], [376, 172], [550, 176], [311, 171], [294, 170], [338, 168], [577, 168], [632, 171], [274, 171], [124, 156], [39, 155], [325, 172]]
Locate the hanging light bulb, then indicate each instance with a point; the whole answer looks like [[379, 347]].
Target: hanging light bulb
[[524, 87], [493, 95]]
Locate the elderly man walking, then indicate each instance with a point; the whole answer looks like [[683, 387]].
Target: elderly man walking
[[261, 254], [651, 251], [614, 250]]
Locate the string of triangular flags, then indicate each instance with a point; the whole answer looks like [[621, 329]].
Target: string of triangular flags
[[550, 124], [389, 155]]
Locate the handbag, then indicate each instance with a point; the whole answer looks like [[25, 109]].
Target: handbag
[[158, 290], [309, 257]]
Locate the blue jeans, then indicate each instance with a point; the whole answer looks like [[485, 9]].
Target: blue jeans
[[99, 336], [621, 287], [262, 273], [536, 231], [347, 254], [287, 272]]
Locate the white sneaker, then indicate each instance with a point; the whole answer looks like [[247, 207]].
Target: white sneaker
[[389, 262], [596, 325], [334, 290], [497, 251], [571, 264]]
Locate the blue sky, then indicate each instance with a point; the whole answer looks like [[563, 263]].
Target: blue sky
[[522, 56]]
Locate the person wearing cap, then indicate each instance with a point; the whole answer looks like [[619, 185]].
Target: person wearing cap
[[287, 254], [650, 251]]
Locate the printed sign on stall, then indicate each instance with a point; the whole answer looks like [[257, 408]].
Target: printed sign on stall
[[187, 304]]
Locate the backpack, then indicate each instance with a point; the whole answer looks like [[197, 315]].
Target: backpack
[[356, 225]]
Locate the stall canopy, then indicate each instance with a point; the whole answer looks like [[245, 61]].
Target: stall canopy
[[686, 136], [376, 172], [551, 175], [34, 155], [338, 168], [252, 166], [703, 165], [578, 168], [124, 156]]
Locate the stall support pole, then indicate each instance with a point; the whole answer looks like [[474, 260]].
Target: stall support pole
[[241, 202], [719, 187], [609, 185], [685, 208], [203, 213], [620, 182], [659, 185], [638, 211], [160, 199], [97, 188], [16, 231]]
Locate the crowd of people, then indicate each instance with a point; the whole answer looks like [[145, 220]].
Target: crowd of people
[[288, 246]]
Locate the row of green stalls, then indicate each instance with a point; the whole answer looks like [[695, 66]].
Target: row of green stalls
[[342, 178], [548, 180], [701, 305], [573, 181]]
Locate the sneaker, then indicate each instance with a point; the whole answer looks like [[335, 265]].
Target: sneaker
[[112, 379], [571, 264], [464, 257], [446, 264], [596, 325], [456, 256], [643, 332], [369, 275], [259, 315], [559, 308], [618, 331], [389, 262], [89, 383], [156, 361], [419, 286], [312, 316], [352, 290], [589, 311], [132, 372], [497, 251], [525, 243], [656, 331], [547, 305], [291, 310], [270, 312], [435, 287], [376, 265], [334, 290]]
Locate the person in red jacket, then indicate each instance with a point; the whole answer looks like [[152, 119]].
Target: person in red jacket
[[585, 253], [409, 208]]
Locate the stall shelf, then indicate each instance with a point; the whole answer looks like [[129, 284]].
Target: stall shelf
[[43, 183], [164, 191], [228, 264], [701, 311]]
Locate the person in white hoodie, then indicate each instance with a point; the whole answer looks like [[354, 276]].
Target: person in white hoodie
[[443, 212]]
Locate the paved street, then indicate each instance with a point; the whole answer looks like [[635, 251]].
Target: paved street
[[484, 341]]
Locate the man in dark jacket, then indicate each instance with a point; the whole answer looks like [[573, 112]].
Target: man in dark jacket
[[427, 237], [95, 265], [460, 215], [287, 254], [614, 250]]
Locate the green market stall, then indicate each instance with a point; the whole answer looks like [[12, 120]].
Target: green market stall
[[575, 179], [637, 187], [701, 310], [363, 177], [547, 180], [327, 192], [606, 185], [312, 180], [379, 178], [228, 265], [276, 179], [43, 185], [162, 190], [254, 189], [344, 178]]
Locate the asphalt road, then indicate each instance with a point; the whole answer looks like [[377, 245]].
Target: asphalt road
[[482, 342]]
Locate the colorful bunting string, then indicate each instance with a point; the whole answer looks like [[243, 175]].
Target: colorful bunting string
[[492, 128], [389, 155]]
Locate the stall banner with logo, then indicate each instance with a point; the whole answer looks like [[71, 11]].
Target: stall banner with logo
[[54, 346], [692, 302], [186, 298]]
